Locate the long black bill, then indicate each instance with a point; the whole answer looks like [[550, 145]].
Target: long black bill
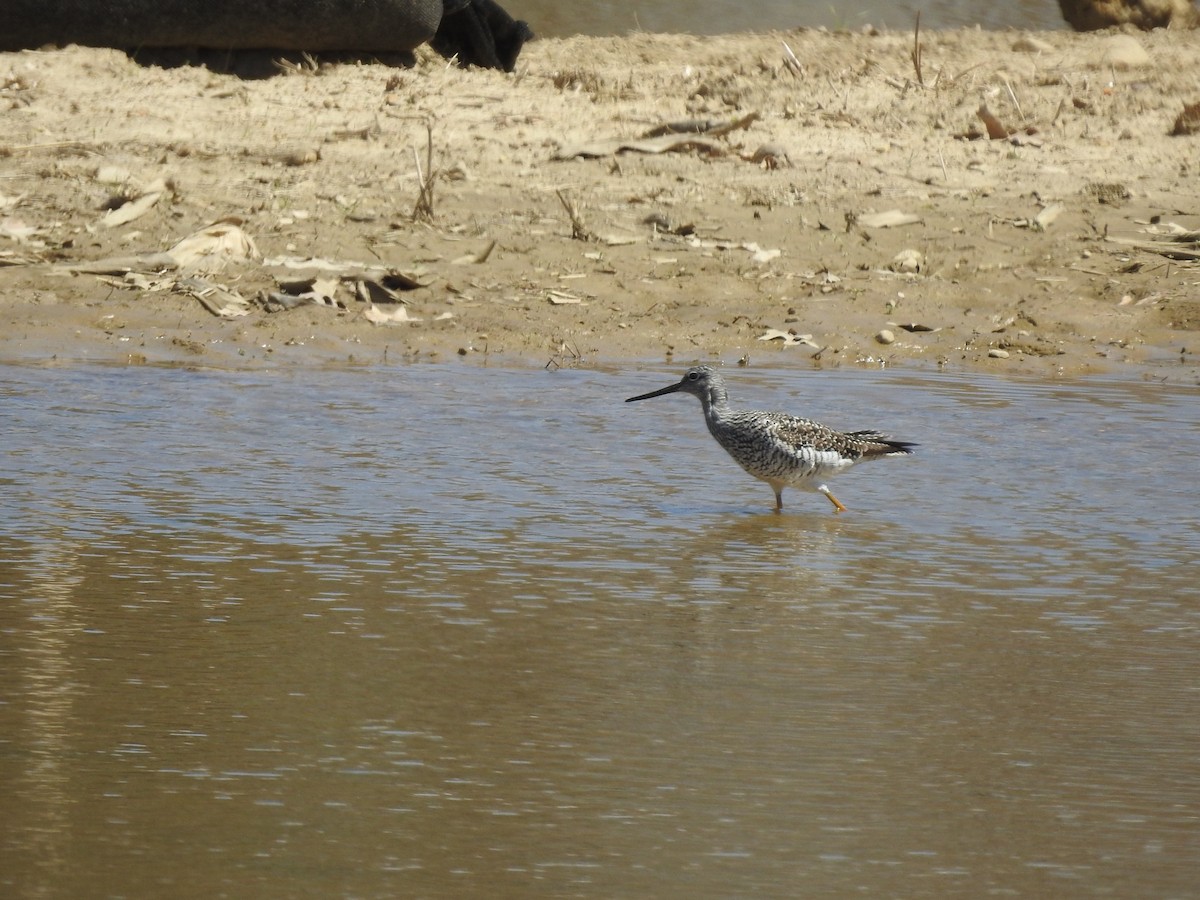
[[667, 390]]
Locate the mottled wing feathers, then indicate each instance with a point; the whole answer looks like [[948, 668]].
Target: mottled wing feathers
[[879, 444], [796, 433]]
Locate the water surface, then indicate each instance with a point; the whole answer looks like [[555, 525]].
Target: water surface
[[614, 17], [452, 631]]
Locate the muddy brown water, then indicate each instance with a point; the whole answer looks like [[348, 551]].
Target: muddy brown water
[[449, 631]]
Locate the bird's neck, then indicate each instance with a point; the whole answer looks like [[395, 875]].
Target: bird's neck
[[715, 402]]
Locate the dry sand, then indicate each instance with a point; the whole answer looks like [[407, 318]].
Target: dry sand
[[1046, 253]]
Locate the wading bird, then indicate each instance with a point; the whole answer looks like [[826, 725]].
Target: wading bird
[[779, 449]]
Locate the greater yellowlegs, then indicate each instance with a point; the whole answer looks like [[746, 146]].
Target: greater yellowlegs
[[779, 449]]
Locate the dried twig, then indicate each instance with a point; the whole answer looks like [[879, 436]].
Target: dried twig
[[789, 60], [736, 125], [1062, 105], [57, 148], [916, 50], [567, 356], [423, 209], [482, 256], [308, 65], [579, 231], [1017, 103]]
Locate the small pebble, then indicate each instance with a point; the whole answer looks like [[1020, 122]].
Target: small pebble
[[113, 175], [885, 337], [909, 261], [997, 353], [1123, 51], [1188, 121], [1029, 44]]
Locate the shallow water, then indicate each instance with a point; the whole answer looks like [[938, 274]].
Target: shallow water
[[443, 631], [614, 17]]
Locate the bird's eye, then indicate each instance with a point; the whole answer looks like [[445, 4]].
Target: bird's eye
[[692, 376]]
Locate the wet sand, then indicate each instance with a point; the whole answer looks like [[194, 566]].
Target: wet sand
[[856, 212]]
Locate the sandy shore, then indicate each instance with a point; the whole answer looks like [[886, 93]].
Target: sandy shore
[[852, 215]]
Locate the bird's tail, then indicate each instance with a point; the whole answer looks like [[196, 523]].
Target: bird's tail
[[880, 444]]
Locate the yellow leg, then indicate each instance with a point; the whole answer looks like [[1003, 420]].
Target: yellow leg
[[832, 499]]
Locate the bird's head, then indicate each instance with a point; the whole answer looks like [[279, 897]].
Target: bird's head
[[699, 381]]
